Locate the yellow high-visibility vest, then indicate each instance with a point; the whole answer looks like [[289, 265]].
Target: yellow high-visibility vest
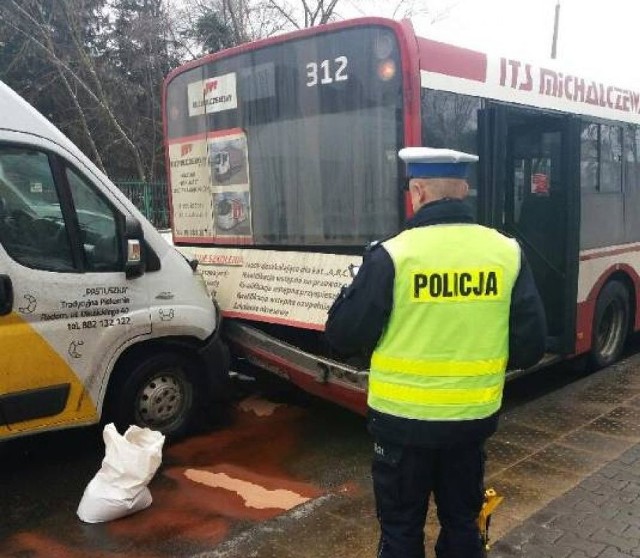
[[444, 351]]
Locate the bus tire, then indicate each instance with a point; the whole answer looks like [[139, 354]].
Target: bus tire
[[610, 325], [157, 392]]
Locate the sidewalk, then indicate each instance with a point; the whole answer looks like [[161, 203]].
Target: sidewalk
[[566, 458], [599, 518]]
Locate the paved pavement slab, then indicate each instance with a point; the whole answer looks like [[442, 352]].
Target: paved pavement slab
[[598, 518]]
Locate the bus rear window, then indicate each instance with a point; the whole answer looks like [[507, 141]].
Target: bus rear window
[[302, 135]]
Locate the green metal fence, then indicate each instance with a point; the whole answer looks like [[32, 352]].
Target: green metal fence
[[151, 198]]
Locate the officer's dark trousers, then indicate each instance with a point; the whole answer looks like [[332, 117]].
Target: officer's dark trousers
[[403, 479]]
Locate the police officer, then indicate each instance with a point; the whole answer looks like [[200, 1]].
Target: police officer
[[443, 308]]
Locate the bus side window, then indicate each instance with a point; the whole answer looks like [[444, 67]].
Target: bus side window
[[632, 182], [589, 162], [601, 158], [632, 157], [610, 158], [98, 225]]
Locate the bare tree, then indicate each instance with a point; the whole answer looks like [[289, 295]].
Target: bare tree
[[304, 13], [253, 19], [256, 19], [433, 10], [33, 22], [40, 22]]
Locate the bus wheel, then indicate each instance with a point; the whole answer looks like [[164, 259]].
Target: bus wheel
[[610, 325], [157, 392]]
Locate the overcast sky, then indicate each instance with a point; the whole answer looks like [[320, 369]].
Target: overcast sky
[[597, 37]]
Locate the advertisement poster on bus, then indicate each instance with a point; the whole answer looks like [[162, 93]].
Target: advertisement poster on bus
[[541, 171], [210, 188], [215, 94], [190, 190], [230, 184], [290, 288], [540, 184]]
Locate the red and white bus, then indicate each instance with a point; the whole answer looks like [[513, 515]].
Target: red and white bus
[[319, 116]]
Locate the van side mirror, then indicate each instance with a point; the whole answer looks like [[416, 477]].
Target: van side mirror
[[133, 235]]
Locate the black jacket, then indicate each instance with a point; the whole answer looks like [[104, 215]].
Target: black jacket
[[359, 314]]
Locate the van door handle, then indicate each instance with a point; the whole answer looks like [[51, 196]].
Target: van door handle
[[6, 295]]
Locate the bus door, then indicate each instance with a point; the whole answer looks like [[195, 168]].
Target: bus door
[[534, 183]]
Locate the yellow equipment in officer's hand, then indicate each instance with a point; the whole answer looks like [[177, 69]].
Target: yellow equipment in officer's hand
[[491, 502]]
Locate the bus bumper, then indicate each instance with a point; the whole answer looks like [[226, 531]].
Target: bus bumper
[[323, 377], [329, 379]]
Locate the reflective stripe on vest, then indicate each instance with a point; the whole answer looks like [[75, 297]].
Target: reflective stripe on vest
[[444, 351]]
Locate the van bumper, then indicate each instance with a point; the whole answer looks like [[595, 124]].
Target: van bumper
[[214, 355]]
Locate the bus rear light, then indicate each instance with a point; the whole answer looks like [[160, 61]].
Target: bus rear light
[[386, 70]]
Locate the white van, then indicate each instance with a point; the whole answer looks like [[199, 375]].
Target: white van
[[99, 316]]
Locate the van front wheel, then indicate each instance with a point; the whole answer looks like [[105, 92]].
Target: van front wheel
[[157, 392]]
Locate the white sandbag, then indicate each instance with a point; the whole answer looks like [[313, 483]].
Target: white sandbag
[[120, 486]]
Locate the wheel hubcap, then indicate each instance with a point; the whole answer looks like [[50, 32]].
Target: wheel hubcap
[[161, 400]]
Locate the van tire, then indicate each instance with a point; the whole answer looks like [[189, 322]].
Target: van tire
[[156, 392], [610, 325]]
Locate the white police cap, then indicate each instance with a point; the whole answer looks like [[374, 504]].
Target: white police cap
[[428, 162]]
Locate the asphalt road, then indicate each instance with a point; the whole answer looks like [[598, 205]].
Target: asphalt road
[[281, 474]]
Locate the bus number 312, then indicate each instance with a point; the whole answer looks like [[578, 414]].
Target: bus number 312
[[323, 71]]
